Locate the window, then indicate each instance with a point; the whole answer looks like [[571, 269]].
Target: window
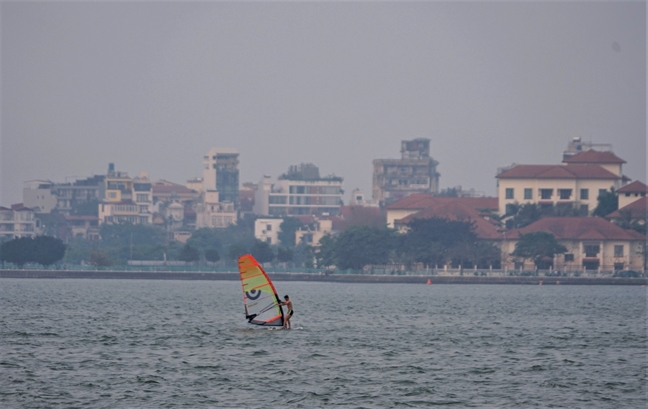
[[602, 192], [546, 194], [618, 251], [591, 250], [528, 193], [618, 266], [584, 194], [509, 193], [268, 227], [569, 257], [565, 194]]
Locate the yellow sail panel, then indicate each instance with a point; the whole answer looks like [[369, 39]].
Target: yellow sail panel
[[259, 295]]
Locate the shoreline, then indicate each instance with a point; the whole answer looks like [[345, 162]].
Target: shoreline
[[332, 278]]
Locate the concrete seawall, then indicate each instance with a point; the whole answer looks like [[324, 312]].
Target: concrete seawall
[[333, 278]]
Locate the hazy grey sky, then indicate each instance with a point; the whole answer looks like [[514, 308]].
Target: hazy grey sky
[[153, 86]]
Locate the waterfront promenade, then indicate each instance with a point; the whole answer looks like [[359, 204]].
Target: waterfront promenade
[[467, 278]]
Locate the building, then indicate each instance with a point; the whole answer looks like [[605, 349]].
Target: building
[[18, 221], [220, 173], [312, 234], [267, 230], [631, 193], [633, 213], [86, 227], [576, 145], [126, 200], [593, 243], [414, 172], [577, 182], [44, 196], [168, 192], [482, 206], [212, 213], [39, 195], [300, 191]]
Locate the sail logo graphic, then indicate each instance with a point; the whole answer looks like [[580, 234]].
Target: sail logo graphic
[[253, 294]]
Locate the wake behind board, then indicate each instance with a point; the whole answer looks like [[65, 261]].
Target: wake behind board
[[260, 299]]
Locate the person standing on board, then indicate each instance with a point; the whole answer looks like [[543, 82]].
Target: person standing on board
[[289, 314]]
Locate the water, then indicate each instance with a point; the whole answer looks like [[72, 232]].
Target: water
[[185, 344]]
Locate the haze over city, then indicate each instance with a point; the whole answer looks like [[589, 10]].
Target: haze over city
[[153, 86]]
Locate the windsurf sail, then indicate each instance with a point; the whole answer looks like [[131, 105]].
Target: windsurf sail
[[259, 295]]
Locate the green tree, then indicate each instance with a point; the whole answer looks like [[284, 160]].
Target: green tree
[[325, 252], [189, 254], [540, 246], [236, 250], [99, 258], [212, 255], [284, 254], [47, 250], [262, 252], [431, 240], [360, 246], [287, 231], [608, 202], [206, 238], [17, 251]]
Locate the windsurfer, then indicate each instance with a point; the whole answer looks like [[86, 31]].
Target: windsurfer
[[289, 314]]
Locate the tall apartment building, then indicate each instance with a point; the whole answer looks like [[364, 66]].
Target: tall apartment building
[[44, 196], [220, 173], [126, 200], [300, 191], [414, 172]]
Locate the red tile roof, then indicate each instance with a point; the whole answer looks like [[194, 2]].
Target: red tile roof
[[634, 187], [578, 228], [592, 156], [421, 201], [456, 211], [557, 172], [637, 209]]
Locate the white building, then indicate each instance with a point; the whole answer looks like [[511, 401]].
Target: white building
[[577, 182], [313, 235], [18, 221], [267, 230], [299, 192], [210, 212]]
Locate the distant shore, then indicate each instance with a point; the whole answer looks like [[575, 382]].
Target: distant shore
[[331, 278]]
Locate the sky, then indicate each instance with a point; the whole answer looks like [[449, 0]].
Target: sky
[[152, 86]]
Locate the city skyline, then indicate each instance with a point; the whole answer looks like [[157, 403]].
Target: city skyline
[[151, 87]]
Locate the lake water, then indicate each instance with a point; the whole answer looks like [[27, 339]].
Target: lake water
[[186, 344]]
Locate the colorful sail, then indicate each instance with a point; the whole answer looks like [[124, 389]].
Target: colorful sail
[[259, 295]]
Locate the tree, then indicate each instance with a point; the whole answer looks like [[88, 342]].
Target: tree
[[236, 250], [434, 241], [17, 251], [287, 231], [189, 254], [608, 202], [360, 246], [262, 252], [325, 252], [540, 246], [47, 250], [284, 254], [212, 255], [99, 258]]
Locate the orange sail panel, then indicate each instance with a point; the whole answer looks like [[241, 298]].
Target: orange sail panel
[[259, 295]]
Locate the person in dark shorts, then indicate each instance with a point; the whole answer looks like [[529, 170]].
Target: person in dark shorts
[[289, 314]]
